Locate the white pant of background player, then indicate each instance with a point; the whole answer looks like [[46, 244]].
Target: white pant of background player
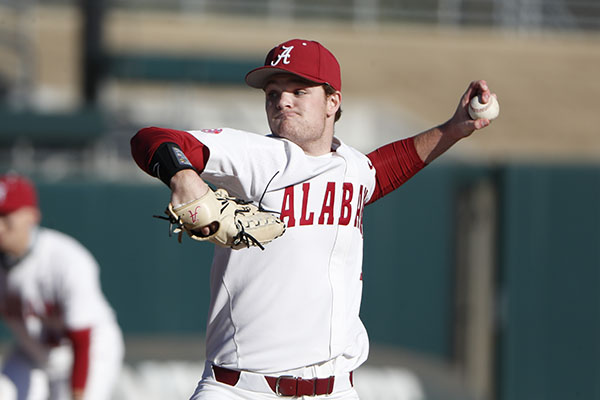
[[22, 379]]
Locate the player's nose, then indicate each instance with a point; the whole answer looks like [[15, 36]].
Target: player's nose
[[285, 100]]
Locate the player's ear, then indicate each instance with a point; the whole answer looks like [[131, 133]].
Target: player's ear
[[34, 215], [334, 101]]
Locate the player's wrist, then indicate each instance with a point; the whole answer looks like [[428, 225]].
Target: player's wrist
[[454, 130], [77, 394], [168, 160], [187, 186]]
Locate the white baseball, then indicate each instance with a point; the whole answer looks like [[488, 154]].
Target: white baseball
[[489, 110]]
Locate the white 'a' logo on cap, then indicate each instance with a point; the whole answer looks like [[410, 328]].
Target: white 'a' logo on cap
[[284, 56]]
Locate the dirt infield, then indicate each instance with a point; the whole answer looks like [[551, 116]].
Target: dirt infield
[[547, 83]]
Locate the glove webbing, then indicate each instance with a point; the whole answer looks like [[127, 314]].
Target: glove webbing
[[242, 236]]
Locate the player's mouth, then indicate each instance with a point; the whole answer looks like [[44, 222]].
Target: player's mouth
[[286, 114]]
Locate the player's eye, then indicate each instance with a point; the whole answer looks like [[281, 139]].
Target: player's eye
[[272, 95], [300, 92]]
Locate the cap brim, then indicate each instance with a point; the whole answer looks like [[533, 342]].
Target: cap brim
[[258, 77]]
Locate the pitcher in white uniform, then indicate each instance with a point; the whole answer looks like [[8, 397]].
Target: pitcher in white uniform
[[68, 344], [285, 321]]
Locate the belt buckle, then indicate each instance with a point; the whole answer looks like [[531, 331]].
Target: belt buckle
[[277, 385]]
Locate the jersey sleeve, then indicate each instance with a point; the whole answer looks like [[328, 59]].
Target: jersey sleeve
[[145, 142], [241, 162], [80, 340], [394, 163]]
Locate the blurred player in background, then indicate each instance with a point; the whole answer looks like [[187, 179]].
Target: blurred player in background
[[285, 321], [68, 343]]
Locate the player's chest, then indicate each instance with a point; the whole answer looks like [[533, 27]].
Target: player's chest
[[32, 291], [326, 200]]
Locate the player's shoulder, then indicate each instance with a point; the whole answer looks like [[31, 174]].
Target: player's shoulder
[[61, 245], [348, 151], [357, 163], [224, 132], [236, 141], [53, 236]]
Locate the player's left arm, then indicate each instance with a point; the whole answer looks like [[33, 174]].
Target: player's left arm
[[394, 164], [80, 342], [397, 162], [80, 299], [434, 142]]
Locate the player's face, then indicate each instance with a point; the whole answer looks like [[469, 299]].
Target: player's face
[[15, 230], [298, 110]]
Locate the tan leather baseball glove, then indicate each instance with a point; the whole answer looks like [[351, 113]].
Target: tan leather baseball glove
[[236, 223]]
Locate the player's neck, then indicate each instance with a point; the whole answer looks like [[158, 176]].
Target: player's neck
[[315, 151], [21, 248], [320, 146]]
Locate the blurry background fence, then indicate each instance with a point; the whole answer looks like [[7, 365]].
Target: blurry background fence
[[486, 262]]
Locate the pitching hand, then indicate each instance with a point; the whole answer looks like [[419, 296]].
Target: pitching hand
[[186, 187], [461, 122]]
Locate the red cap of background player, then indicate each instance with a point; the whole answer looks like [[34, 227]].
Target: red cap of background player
[[16, 192], [305, 58]]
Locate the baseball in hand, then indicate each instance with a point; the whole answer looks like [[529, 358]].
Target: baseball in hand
[[489, 110]]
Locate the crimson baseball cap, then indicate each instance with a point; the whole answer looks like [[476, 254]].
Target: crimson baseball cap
[[15, 192], [305, 58]]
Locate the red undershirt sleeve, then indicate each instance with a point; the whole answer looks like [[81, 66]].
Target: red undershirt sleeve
[[394, 163], [147, 140], [80, 340]]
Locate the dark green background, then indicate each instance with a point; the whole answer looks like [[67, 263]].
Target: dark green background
[[548, 343]]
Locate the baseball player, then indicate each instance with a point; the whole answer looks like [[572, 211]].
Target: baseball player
[[68, 344], [284, 316]]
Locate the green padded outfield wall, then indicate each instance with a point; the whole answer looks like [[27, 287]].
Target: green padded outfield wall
[[550, 283], [409, 255]]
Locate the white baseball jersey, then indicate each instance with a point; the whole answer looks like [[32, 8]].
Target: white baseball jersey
[[296, 303], [53, 290]]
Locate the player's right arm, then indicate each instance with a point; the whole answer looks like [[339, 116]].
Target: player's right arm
[[157, 152]]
